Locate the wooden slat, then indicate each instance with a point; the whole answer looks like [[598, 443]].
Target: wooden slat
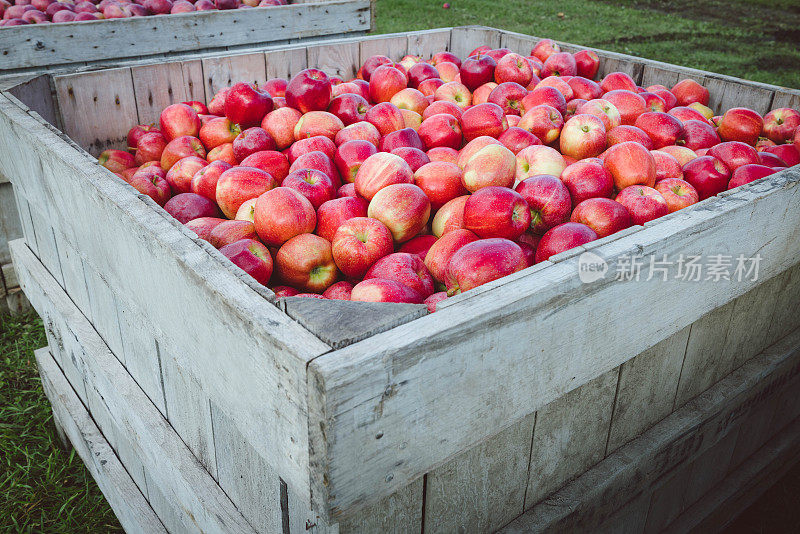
[[338, 58], [399, 512], [10, 225], [225, 71], [37, 94], [786, 316], [727, 94], [785, 98], [97, 108], [710, 468], [394, 47], [519, 43], [170, 464], [666, 501], [38, 46], [482, 488], [426, 44], [125, 498], [157, 86], [103, 306], [286, 63], [647, 387], [465, 39]]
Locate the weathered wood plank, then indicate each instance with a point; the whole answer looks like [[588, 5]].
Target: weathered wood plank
[[711, 466], [666, 501], [10, 225], [786, 98], [157, 86], [38, 46], [786, 316], [519, 43], [727, 94], [97, 108], [286, 63], [169, 462], [484, 487], [225, 71], [647, 387], [465, 39], [426, 44], [339, 58], [125, 498], [570, 436], [399, 512], [103, 306], [37, 94], [394, 47]]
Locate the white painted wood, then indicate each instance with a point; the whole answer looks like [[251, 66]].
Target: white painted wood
[[125, 498], [786, 316], [727, 94], [711, 467], [647, 387], [653, 460], [39, 46], [38, 95], [482, 488], [519, 43], [103, 306], [169, 463], [46, 244], [376, 385], [570, 436]]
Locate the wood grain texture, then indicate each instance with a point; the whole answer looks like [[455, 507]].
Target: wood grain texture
[[38, 94], [482, 488], [286, 63], [727, 94], [141, 36], [97, 108], [10, 225], [125, 498], [400, 512], [647, 387], [519, 43], [169, 463], [157, 86], [464, 39], [224, 71], [570, 436], [393, 46], [710, 468], [426, 44], [338, 58]]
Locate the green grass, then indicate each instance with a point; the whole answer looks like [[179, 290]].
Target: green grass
[[756, 40], [43, 488]]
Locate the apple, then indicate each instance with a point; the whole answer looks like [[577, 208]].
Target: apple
[[179, 148], [780, 124], [515, 139], [481, 262], [415, 157], [677, 193], [419, 245], [741, 124], [246, 105], [247, 211], [749, 173], [443, 153], [407, 137], [689, 91], [276, 87], [372, 63], [270, 161], [238, 184], [454, 92], [316, 124], [708, 175], [313, 184], [490, 165], [403, 208], [331, 214], [386, 117], [407, 269], [252, 257], [180, 175], [683, 154], [448, 72], [178, 120], [602, 109], [788, 153], [559, 64], [411, 119], [135, 133], [440, 253], [358, 243], [428, 87], [410, 99], [603, 215], [663, 129], [684, 114], [202, 226], [310, 90], [654, 102], [441, 130], [496, 212], [587, 63], [319, 161], [440, 57], [187, 206], [153, 183], [282, 213], [667, 166], [435, 299], [318, 143], [584, 88], [116, 160], [543, 121], [350, 155], [763, 142], [477, 70], [250, 141], [513, 68], [364, 131], [507, 95], [539, 159], [583, 136], [228, 232], [704, 110], [771, 160], [548, 200], [617, 80], [624, 132], [643, 203], [385, 82], [222, 153], [420, 72], [380, 170], [629, 104], [734, 154], [286, 291], [280, 124], [306, 262], [698, 134], [630, 164], [544, 49], [549, 96], [481, 94], [150, 147], [587, 179], [449, 217], [218, 131], [483, 120], [339, 291], [669, 99], [558, 84], [383, 290]]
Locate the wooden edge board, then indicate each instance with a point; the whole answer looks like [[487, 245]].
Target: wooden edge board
[[71, 418], [681, 437], [172, 466], [72, 42]]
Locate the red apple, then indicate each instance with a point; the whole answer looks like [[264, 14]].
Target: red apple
[[602, 109], [681, 153], [629, 104], [654, 102], [441, 130], [780, 124], [507, 95], [179, 148], [454, 93], [350, 156], [513, 68], [313, 184], [435, 299], [383, 290], [270, 161], [549, 96], [349, 108], [587, 63], [310, 90], [415, 157], [708, 175], [749, 173], [276, 87], [238, 184], [246, 105], [136, 133], [587, 179], [483, 120], [180, 175], [386, 117], [252, 257], [428, 87], [481, 262], [150, 147], [442, 153], [477, 70], [449, 217], [218, 131], [496, 212], [228, 232], [339, 291], [440, 253], [385, 82], [286, 291], [203, 226], [559, 64], [698, 134], [364, 131], [222, 153], [331, 214], [734, 154], [178, 120], [515, 139], [677, 193], [624, 133], [630, 164], [643, 203], [543, 121], [318, 143], [306, 262], [280, 124], [187, 206], [667, 166], [741, 124], [584, 88], [663, 129], [539, 159], [617, 80], [544, 49], [403, 208], [788, 153], [440, 57], [548, 200], [419, 245], [603, 215], [771, 160], [420, 72], [360, 242], [492, 165], [410, 99], [689, 91], [250, 141], [116, 160], [281, 214], [153, 183], [381, 170], [406, 137], [583, 136], [407, 269]]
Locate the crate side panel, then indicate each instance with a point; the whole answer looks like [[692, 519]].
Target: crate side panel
[[786, 316], [666, 502], [224, 71], [426, 44], [286, 63], [711, 467], [465, 39], [157, 86], [399, 512], [335, 59], [394, 47], [10, 224]]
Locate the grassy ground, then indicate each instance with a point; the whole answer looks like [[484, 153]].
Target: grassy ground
[[752, 39], [44, 489]]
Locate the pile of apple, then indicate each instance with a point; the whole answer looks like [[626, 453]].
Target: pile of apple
[[22, 12], [422, 179]]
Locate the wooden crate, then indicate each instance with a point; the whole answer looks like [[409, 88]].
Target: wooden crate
[[363, 415], [721, 446]]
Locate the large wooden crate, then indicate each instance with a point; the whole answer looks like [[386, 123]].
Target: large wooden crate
[[363, 417]]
